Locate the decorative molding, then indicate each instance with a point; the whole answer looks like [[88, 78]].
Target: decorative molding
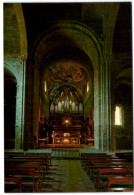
[[23, 58]]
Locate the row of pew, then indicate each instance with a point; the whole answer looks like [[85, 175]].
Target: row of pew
[[25, 171], [109, 173]]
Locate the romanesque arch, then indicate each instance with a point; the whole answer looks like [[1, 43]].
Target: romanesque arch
[[15, 54], [73, 34]]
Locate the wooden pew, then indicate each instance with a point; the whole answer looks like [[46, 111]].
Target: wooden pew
[[46, 156], [113, 180], [17, 181], [110, 165], [95, 154], [27, 162], [26, 154], [113, 171], [112, 160], [34, 158], [101, 158], [10, 154], [85, 156], [88, 157], [23, 173], [126, 155], [26, 166]]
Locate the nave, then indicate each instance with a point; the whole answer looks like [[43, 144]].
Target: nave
[[68, 88], [66, 176]]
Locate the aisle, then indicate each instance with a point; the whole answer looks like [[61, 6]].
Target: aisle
[[66, 176]]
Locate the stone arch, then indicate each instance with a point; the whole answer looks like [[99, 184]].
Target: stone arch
[[16, 68], [12, 68], [22, 27], [110, 26], [9, 109], [62, 85], [14, 30], [73, 34], [15, 60], [67, 53]]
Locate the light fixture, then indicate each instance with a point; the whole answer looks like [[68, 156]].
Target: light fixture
[[66, 121]]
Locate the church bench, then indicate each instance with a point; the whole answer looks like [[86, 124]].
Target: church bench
[[115, 180], [110, 172], [109, 165], [35, 158], [41, 155], [27, 166], [88, 157], [89, 161], [95, 154], [27, 162], [107, 160], [7, 154], [46, 157], [11, 181], [126, 155], [84, 156], [22, 154], [27, 176]]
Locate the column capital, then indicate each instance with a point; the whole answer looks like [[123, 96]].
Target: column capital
[[23, 58], [108, 58]]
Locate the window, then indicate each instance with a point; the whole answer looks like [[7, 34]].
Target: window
[[87, 86], [45, 86], [119, 115]]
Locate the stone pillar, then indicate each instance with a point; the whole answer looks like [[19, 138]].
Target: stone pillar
[[105, 107], [18, 125], [20, 104], [97, 108], [36, 105], [113, 130], [28, 130]]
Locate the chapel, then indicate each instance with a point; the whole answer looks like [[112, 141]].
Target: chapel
[[67, 92]]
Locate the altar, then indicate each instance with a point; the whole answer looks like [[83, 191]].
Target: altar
[[66, 140]]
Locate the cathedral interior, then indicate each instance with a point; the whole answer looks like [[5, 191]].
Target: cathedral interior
[[67, 89]]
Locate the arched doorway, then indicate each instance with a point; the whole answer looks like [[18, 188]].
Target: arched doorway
[[9, 109]]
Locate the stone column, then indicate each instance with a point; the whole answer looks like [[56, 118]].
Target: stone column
[[36, 104], [18, 122], [20, 104], [113, 130], [28, 130], [105, 105], [97, 95]]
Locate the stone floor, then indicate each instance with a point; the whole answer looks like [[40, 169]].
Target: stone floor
[[66, 176]]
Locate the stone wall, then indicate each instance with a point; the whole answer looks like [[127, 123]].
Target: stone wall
[[122, 95]]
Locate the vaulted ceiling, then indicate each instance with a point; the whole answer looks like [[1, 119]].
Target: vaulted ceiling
[[38, 17], [67, 72]]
